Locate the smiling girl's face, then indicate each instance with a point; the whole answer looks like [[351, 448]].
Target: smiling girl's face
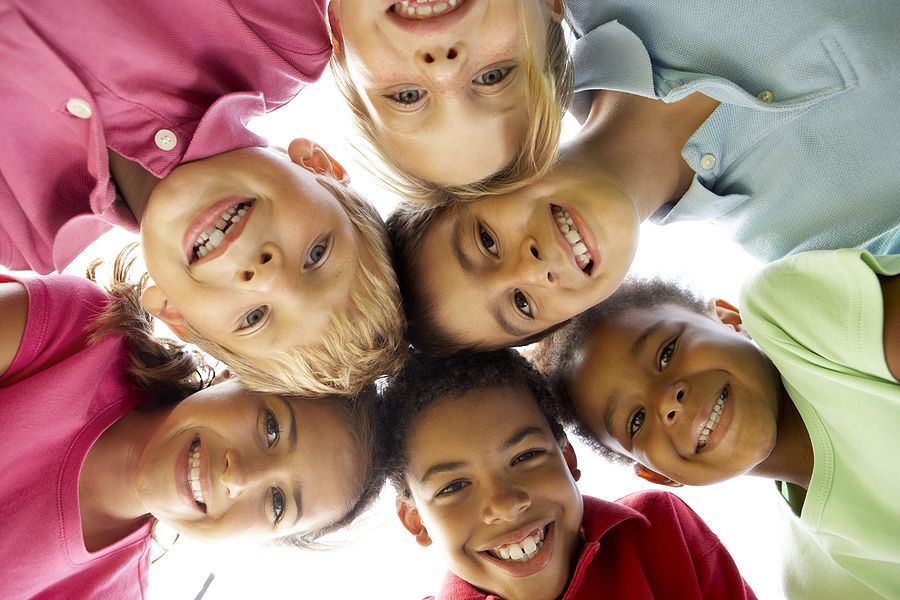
[[228, 463], [444, 80]]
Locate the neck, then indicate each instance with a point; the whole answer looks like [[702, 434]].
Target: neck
[[134, 181], [791, 458], [111, 507], [639, 141]]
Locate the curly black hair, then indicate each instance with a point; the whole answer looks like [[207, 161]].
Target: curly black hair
[[555, 354], [426, 380]]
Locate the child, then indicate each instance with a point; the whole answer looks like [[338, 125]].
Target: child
[[98, 443], [483, 470], [456, 98], [656, 376], [270, 264], [673, 129]]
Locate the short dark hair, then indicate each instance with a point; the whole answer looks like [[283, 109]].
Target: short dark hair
[[555, 354], [426, 380]]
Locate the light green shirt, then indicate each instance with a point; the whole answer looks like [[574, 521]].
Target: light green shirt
[[820, 317]]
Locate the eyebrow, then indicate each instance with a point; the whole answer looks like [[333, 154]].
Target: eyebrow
[[465, 263], [441, 468], [638, 348], [521, 435], [608, 416], [292, 440]]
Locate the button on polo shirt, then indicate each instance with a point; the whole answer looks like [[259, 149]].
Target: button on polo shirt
[[165, 139], [79, 108]]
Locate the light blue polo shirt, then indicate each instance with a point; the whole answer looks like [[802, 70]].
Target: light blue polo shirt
[[803, 151]]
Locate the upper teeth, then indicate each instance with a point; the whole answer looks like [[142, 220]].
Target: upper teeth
[[194, 472], [423, 9], [210, 239], [713, 419], [522, 550], [570, 232]]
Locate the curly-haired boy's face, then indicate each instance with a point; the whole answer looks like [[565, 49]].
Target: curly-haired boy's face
[[493, 490], [687, 395], [249, 249], [443, 81]]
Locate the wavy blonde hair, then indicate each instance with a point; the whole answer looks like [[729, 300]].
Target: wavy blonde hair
[[548, 93]]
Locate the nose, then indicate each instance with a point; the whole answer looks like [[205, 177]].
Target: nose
[[261, 269], [505, 504], [241, 474], [442, 62], [671, 403], [532, 267]]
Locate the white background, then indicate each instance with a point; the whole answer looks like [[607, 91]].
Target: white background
[[378, 558]]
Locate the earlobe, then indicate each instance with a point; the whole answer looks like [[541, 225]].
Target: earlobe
[[334, 24], [157, 304], [571, 459], [557, 9], [654, 477], [412, 522], [315, 159]]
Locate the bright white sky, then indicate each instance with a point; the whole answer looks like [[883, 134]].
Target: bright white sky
[[380, 560]]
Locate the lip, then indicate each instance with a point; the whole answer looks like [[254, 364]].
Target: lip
[[587, 237], [530, 567], [721, 428], [431, 25], [205, 219]]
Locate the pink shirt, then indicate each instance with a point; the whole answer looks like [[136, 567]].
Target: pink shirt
[[56, 398], [160, 82], [645, 546]]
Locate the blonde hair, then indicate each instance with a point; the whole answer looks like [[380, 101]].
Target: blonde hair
[[356, 349], [548, 93]]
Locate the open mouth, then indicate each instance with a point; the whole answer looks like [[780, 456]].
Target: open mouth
[[713, 420], [424, 9], [583, 257], [194, 475], [210, 239], [523, 550]]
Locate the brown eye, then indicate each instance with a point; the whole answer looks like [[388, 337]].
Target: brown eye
[[522, 304]]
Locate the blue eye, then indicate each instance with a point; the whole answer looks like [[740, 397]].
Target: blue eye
[[488, 242], [492, 77], [666, 355], [527, 455], [270, 428], [636, 422], [278, 505], [407, 97], [316, 253], [522, 304], [452, 488], [253, 317]]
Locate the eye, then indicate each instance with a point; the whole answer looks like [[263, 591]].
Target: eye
[[407, 97], [527, 455], [488, 242], [452, 488], [270, 428], [522, 304], [666, 355], [492, 77], [277, 505], [316, 253], [636, 422], [253, 317]]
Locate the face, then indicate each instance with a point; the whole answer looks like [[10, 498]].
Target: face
[[445, 85], [250, 250], [509, 496], [502, 269], [227, 463], [684, 394]]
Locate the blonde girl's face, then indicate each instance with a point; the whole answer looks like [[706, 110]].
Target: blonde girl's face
[[444, 80]]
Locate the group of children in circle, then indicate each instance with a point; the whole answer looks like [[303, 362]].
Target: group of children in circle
[[267, 260]]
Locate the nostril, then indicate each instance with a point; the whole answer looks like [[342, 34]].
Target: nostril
[[534, 252], [451, 54], [264, 258], [671, 415], [247, 275], [680, 395], [429, 58]]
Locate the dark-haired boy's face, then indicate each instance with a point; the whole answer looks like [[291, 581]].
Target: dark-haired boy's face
[[685, 394], [490, 483]]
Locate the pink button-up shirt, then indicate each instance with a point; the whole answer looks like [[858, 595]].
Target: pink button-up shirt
[[159, 82]]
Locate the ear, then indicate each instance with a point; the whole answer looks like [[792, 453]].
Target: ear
[[315, 159], [653, 477], [157, 304], [557, 9], [727, 314], [334, 23], [571, 460], [412, 522]]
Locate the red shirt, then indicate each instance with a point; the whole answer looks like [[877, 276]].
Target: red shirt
[[649, 545]]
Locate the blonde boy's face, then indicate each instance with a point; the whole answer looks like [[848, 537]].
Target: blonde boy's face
[[287, 261], [684, 394], [444, 87], [489, 484]]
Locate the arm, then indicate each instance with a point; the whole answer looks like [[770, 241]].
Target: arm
[[13, 314], [890, 293]]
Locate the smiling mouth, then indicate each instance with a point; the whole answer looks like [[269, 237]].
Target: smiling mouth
[[523, 550], [210, 239], [194, 475], [713, 420], [580, 251], [416, 9]]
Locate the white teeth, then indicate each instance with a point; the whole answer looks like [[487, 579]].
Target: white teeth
[[504, 553], [572, 236], [530, 547], [207, 241], [439, 8], [516, 552], [423, 10], [579, 249], [216, 237], [521, 551], [714, 417], [194, 472]]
